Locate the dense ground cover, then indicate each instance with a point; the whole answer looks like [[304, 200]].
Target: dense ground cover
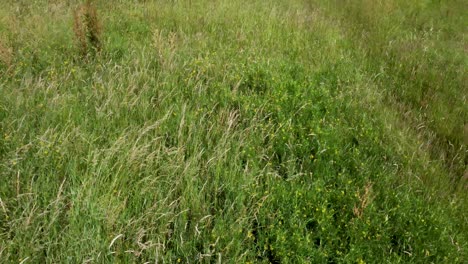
[[234, 131]]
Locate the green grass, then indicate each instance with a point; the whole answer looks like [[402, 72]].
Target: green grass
[[233, 132]]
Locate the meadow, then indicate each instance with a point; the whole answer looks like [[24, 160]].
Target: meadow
[[228, 131]]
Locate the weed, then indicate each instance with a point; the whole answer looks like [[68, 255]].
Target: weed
[[87, 28]]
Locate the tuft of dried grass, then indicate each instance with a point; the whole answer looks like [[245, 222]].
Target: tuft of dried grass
[[364, 200], [6, 55], [87, 28], [166, 47]]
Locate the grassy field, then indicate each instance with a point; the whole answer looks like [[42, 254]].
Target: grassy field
[[228, 131]]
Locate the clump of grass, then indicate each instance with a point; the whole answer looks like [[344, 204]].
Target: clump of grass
[[6, 55], [364, 201], [87, 28], [165, 46]]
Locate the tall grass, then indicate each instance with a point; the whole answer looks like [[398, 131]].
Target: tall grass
[[227, 132], [417, 54]]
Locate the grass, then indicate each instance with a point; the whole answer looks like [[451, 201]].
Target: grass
[[234, 132], [417, 54]]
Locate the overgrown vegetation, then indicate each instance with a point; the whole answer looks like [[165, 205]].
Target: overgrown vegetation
[[417, 53], [233, 132]]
